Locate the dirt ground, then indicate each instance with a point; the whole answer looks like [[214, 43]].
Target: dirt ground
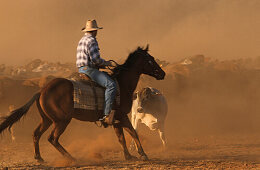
[[209, 152], [201, 134], [208, 49], [99, 149]]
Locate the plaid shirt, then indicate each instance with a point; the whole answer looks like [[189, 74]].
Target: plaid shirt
[[88, 52]]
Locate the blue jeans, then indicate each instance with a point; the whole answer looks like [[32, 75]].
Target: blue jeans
[[105, 81]]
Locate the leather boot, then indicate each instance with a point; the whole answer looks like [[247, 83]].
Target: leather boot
[[109, 119]]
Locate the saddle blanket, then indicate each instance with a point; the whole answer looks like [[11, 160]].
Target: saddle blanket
[[84, 95]]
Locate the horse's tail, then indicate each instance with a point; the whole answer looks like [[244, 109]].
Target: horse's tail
[[17, 114]]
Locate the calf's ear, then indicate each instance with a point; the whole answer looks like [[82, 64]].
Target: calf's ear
[[135, 95], [148, 92]]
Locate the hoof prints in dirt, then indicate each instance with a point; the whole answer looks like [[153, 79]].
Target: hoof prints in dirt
[[152, 164]]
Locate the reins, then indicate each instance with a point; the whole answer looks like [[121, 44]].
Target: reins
[[117, 66], [111, 68]]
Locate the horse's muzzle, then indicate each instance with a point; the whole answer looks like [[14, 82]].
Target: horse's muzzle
[[160, 76]]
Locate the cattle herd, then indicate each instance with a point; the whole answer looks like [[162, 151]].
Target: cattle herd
[[195, 79]]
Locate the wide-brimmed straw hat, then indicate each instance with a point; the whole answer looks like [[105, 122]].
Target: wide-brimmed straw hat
[[91, 25]]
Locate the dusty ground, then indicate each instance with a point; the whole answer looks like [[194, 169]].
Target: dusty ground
[[213, 152]]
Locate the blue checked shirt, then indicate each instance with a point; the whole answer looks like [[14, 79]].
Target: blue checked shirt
[[88, 52]]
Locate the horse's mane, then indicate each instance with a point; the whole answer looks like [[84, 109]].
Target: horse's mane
[[129, 61]]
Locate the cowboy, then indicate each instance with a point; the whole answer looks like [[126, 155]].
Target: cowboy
[[89, 62]]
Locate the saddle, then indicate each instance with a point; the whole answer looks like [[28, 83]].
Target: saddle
[[88, 94], [84, 79]]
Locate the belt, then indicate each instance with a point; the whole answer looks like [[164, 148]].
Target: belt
[[88, 66]]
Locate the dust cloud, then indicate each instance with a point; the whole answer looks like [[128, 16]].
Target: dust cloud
[[212, 105], [50, 30], [209, 104]]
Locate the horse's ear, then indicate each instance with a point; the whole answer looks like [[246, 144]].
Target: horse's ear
[[147, 47]]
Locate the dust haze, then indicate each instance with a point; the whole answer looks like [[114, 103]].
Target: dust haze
[[214, 103], [50, 30]]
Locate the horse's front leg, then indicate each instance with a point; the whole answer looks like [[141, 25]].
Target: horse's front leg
[[120, 134], [129, 128]]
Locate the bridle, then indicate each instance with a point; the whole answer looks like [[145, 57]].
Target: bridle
[[118, 66], [112, 67], [151, 64], [148, 61]]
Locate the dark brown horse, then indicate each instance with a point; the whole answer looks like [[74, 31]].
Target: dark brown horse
[[55, 104]]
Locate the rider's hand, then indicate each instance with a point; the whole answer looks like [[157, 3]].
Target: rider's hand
[[108, 63]]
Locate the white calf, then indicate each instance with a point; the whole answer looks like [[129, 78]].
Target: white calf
[[150, 107]]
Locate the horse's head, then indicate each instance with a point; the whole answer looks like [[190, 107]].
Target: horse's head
[[142, 62], [147, 64]]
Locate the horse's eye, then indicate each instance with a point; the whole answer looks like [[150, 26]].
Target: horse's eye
[[150, 62]]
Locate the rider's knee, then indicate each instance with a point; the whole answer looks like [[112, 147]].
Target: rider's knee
[[112, 85]]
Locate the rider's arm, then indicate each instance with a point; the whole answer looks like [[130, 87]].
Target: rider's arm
[[95, 55]]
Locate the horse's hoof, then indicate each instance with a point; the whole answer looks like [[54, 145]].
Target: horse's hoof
[[72, 160], [39, 159], [144, 158], [131, 158]]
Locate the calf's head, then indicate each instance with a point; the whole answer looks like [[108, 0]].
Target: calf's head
[[144, 98]]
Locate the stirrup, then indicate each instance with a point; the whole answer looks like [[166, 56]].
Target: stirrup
[[105, 125], [109, 119], [102, 119]]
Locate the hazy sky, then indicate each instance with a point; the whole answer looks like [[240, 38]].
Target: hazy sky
[[50, 29]]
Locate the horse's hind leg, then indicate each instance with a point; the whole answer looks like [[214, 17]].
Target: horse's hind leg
[[129, 128], [42, 127], [59, 128]]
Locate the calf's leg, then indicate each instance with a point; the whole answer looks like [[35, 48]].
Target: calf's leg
[[162, 136], [134, 124]]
